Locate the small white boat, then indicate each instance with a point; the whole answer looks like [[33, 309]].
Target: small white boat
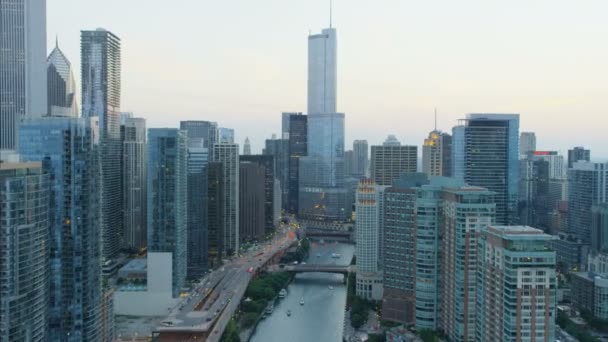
[[282, 293], [302, 301], [330, 287]]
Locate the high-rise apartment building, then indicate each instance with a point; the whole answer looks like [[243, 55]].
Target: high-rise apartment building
[[215, 210], [576, 154], [599, 228], [466, 212], [252, 199], [391, 160], [360, 159], [297, 148], [322, 72], [100, 71], [25, 245], [225, 135], [534, 202], [399, 249], [557, 169], [437, 154], [133, 172], [267, 163], [587, 186], [22, 67], [369, 239], [197, 212], [516, 285], [278, 149], [228, 155], [527, 143], [167, 199], [61, 85], [68, 149], [491, 154]]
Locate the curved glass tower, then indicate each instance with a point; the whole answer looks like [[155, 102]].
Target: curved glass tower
[[61, 90]]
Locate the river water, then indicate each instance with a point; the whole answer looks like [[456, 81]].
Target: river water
[[321, 318]]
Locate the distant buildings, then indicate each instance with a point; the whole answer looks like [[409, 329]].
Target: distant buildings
[[516, 285], [247, 147], [489, 147], [360, 159], [133, 171], [101, 71], [599, 228], [437, 154], [527, 143], [25, 245], [369, 234], [251, 201], [391, 159], [576, 154], [227, 154], [587, 186], [23, 67], [61, 89], [68, 149], [167, 199], [205, 130]]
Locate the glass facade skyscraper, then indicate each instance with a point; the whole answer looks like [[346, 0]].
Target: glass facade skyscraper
[[68, 149], [587, 187], [22, 66], [228, 156], [322, 72], [198, 167], [24, 252], [298, 148], [167, 199], [61, 88], [100, 71]]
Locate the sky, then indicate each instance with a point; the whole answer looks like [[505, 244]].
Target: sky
[[242, 62]]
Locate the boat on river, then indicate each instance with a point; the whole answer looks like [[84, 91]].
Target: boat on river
[[288, 313], [302, 301], [282, 293]]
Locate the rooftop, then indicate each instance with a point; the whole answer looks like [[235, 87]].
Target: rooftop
[[135, 265]]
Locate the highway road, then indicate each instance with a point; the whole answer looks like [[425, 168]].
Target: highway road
[[211, 304]]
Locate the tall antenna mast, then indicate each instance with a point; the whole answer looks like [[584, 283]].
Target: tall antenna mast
[[435, 118], [330, 8]]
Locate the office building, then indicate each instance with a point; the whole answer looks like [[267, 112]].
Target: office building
[[534, 206], [368, 235], [348, 163], [297, 148], [399, 248], [391, 160], [458, 151], [516, 285], [576, 154], [466, 212], [527, 143], [197, 225], [23, 68], [69, 150], [228, 155], [587, 186], [225, 135], [557, 169], [215, 210], [360, 159], [167, 199], [599, 228], [247, 147], [25, 246], [322, 72], [205, 130], [266, 162], [100, 71], [322, 191], [571, 252], [437, 154], [491, 154], [252, 201], [61, 85], [590, 293], [134, 199], [278, 149]]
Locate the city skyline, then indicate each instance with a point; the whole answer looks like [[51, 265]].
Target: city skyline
[[517, 63]]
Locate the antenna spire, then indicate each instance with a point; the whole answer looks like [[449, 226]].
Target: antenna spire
[[330, 10], [57, 41], [435, 118]]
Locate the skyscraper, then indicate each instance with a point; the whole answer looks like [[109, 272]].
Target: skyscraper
[[437, 154], [298, 148], [167, 199], [61, 89], [266, 162], [587, 186], [25, 245], [369, 233], [197, 212], [133, 171], [578, 153], [599, 228], [247, 147], [68, 149], [516, 285], [527, 143], [205, 130], [225, 135], [491, 154], [100, 71], [215, 210], [322, 72], [228, 155], [278, 149], [391, 159], [23, 68], [252, 199], [360, 158]]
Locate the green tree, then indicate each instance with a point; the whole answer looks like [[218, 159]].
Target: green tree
[[249, 319], [231, 333]]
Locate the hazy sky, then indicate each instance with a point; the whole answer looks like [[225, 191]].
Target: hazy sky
[[243, 62]]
